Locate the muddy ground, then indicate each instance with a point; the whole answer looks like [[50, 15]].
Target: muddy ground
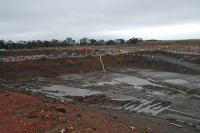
[[135, 94]]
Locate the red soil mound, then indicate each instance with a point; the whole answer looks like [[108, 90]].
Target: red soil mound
[[23, 113]]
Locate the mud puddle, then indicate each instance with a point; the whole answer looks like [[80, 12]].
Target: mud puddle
[[176, 81], [62, 91], [190, 81]]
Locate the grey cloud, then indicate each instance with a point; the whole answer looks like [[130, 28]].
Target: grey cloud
[[46, 19]]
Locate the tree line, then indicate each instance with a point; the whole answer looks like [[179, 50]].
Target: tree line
[[67, 42]]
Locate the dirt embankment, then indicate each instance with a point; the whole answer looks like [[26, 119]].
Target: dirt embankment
[[54, 67], [25, 52], [189, 58], [161, 65], [31, 52], [23, 113], [143, 62]]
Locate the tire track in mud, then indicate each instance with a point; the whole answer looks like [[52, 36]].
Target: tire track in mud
[[154, 106]]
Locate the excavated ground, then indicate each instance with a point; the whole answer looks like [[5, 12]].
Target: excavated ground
[[24, 113], [25, 107]]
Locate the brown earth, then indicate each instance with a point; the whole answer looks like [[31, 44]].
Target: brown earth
[[24, 113], [21, 113], [54, 67]]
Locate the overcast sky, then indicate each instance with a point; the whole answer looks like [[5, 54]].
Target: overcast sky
[[149, 19]]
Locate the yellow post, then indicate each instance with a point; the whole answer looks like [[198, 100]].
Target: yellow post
[[102, 63]]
